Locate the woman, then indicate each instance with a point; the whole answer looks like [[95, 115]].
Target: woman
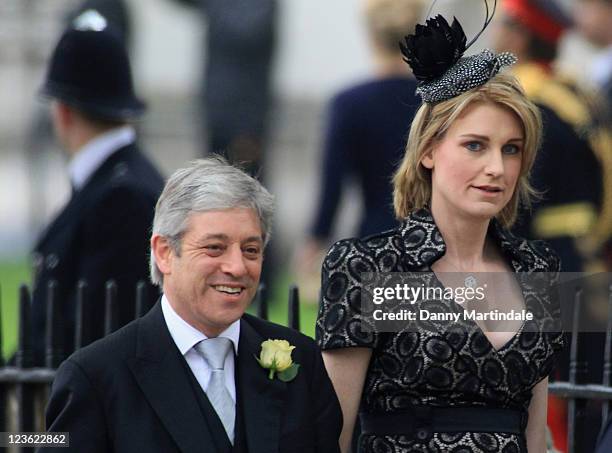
[[366, 132], [464, 173], [365, 137]]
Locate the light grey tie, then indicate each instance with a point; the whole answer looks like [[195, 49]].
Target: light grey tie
[[214, 351]]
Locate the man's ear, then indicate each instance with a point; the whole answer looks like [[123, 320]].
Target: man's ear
[[62, 113], [162, 250], [427, 160]]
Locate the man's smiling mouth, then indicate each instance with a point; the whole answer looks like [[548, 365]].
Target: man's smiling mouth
[[228, 289]]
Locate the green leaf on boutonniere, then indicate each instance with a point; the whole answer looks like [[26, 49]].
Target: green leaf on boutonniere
[[289, 374]]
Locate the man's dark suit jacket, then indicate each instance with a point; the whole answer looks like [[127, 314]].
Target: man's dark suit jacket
[[134, 392], [102, 233]]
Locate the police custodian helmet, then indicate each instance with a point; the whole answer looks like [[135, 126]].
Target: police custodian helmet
[[90, 70]]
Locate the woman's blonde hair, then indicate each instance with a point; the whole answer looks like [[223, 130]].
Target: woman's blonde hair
[[388, 21], [412, 181]]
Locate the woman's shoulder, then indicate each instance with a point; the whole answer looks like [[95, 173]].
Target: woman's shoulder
[[535, 254], [545, 252], [341, 321], [364, 253]]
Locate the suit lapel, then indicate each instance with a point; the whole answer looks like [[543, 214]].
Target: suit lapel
[[160, 374], [262, 399]]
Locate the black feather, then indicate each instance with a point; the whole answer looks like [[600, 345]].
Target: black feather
[[434, 48]]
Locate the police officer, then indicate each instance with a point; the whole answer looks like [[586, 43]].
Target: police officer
[[102, 233]]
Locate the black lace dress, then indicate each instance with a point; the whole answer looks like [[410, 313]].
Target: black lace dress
[[448, 368]]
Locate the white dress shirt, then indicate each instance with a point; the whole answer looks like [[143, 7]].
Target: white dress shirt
[[91, 156], [186, 337]]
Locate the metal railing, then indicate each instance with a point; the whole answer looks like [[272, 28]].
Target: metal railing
[[24, 388], [576, 392]]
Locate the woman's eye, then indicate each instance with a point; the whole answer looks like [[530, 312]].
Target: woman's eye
[[511, 149], [473, 146]]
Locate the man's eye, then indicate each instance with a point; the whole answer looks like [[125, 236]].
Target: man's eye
[[252, 251], [511, 149], [473, 146], [214, 248]]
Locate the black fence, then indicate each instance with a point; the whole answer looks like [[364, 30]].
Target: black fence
[[24, 389], [578, 393]]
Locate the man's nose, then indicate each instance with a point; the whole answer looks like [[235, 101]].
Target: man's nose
[[233, 262]]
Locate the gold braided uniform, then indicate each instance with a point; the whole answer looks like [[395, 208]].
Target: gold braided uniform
[[580, 109]]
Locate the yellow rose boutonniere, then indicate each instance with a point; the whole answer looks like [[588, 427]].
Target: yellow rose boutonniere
[[275, 356]]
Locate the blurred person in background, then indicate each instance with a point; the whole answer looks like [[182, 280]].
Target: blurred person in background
[[572, 172], [39, 137], [594, 20], [237, 77], [365, 136], [236, 89], [573, 168], [101, 234]]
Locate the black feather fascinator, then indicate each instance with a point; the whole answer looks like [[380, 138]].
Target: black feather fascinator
[[435, 54], [434, 48]]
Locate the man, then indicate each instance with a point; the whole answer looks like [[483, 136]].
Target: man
[[102, 232], [593, 19], [572, 171], [575, 212], [153, 385], [237, 78]]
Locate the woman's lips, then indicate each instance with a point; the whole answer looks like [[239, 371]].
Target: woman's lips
[[489, 190]]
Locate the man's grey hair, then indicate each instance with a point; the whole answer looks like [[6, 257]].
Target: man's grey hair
[[208, 184]]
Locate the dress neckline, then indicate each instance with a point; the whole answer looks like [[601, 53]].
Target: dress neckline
[[431, 247], [423, 244]]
